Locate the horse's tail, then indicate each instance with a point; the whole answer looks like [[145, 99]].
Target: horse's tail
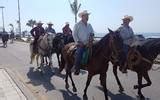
[[32, 54]]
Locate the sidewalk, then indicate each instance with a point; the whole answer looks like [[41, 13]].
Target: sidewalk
[[10, 89]]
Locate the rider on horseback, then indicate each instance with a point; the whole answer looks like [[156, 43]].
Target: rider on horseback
[[36, 32], [49, 29], [83, 34], [127, 35], [67, 32]]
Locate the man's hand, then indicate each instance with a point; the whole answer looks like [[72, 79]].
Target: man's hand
[[80, 44]]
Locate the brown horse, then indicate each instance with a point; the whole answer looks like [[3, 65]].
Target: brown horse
[[97, 64], [140, 60]]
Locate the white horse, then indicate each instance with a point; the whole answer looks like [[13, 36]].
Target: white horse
[[45, 47]]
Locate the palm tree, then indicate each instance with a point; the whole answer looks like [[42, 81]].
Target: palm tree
[[31, 23], [75, 8]]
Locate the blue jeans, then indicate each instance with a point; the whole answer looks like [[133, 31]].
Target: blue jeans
[[78, 57]]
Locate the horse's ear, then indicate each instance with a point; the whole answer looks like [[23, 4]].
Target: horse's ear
[[110, 31]]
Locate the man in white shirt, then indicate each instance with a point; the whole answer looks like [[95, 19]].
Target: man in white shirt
[[82, 34]]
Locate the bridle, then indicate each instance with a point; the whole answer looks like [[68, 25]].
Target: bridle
[[115, 51]]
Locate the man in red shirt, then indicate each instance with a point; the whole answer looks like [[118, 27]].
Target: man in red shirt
[[67, 32]]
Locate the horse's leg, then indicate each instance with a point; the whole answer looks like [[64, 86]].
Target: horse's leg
[[32, 57], [50, 63], [46, 60], [62, 65], [121, 89], [73, 85], [139, 86], [66, 79], [59, 63], [103, 83], [37, 57], [146, 77], [42, 64], [89, 78]]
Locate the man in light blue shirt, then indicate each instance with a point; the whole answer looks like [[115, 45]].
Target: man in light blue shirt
[[49, 29], [127, 35], [82, 34]]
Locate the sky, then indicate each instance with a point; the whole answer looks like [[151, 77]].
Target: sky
[[104, 13]]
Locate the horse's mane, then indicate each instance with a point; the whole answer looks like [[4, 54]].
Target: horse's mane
[[150, 46], [99, 44]]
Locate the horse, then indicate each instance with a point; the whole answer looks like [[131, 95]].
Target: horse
[[140, 59], [98, 62], [5, 38], [57, 44], [139, 39]]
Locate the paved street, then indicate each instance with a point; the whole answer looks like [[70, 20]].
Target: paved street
[[15, 60]]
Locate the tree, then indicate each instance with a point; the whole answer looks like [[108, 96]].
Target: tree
[[31, 23], [75, 8]]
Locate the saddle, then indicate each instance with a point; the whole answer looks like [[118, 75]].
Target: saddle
[[85, 57], [134, 57]]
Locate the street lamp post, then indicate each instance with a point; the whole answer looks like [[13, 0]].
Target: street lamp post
[[19, 19], [2, 17]]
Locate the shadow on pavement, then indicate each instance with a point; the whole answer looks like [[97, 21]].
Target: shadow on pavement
[[57, 73], [68, 95], [37, 78], [120, 96]]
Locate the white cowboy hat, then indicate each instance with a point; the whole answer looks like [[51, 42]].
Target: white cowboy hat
[[83, 13], [50, 23], [39, 22], [66, 23], [127, 17]]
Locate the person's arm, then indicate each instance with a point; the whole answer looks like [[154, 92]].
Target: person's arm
[[43, 31], [32, 32], [91, 33], [75, 35]]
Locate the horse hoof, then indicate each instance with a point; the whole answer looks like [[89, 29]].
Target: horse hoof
[[141, 97], [121, 90], [67, 86], [85, 97], [74, 89], [135, 87]]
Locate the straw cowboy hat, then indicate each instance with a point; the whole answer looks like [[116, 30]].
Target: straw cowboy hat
[[127, 17], [83, 13], [66, 23], [39, 23], [50, 23]]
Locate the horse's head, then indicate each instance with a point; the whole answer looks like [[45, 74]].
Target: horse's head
[[49, 39], [58, 41], [115, 42]]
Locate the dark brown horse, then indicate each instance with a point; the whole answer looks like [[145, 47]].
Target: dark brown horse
[[97, 64], [140, 60]]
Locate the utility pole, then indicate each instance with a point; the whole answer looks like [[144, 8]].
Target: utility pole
[[19, 19], [2, 17]]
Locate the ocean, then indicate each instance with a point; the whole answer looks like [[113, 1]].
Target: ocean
[[146, 35]]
